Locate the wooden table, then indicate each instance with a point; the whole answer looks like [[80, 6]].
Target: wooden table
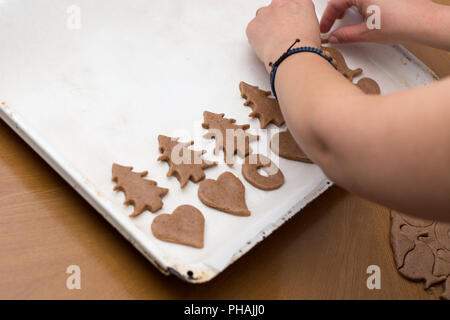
[[322, 253]]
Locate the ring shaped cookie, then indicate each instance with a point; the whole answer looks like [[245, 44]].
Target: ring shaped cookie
[[252, 163]]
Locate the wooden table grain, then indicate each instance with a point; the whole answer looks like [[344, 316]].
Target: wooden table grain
[[322, 253]]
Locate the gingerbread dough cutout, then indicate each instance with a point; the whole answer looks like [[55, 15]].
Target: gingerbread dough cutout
[[230, 137], [186, 225], [185, 164], [253, 163], [264, 108], [421, 250], [141, 193], [368, 86], [341, 65], [284, 145], [226, 194]]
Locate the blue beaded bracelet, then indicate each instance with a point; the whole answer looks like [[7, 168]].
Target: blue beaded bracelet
[[290, 52]]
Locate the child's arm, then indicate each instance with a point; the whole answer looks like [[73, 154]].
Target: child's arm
[[393, 149]]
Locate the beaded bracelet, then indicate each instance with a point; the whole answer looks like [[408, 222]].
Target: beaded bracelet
[[290, 52]]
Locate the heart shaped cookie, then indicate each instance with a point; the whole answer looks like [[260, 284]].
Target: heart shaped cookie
[[186, 225], [226, 194]]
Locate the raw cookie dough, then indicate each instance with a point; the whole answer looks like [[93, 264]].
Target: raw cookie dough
[[186, 225], [421, 250], [226, 194], [222, 129], [368, 86], [143, 194], [284, 145], [184, 163], [252, 163], [264, 107], [446, 293], [341, 65]]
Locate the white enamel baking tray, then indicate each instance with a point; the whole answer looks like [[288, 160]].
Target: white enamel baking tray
[[88, 90]]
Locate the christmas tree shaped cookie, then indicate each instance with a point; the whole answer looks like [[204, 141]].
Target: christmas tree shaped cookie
[[264, 107], [143, 194], [185, 164], [230, 137]]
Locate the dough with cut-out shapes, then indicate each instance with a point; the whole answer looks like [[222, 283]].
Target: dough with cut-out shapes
[[422, 250]]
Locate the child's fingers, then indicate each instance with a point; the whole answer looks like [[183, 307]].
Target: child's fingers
[[353, 33], [335, 10]]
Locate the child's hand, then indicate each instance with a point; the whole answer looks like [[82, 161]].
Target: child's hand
[[276, 27], [401, 21]]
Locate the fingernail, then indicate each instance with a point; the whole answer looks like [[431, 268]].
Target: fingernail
[[333, 39]]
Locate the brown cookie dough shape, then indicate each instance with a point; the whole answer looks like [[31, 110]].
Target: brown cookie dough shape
[[184, 164], [264, 107], [223, 130], [446, 292], [186, 225], [143, 194], [438, 240], [341, 65], [443, 234], [368, 86], [419, 251], [419, 265], [284, 145], [226, 194], [253, 163], [415, 222], [400, 242]]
